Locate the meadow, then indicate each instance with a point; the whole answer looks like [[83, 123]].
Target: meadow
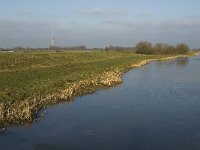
[[30, 81]]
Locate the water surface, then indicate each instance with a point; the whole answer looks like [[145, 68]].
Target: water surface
[[157, 107]]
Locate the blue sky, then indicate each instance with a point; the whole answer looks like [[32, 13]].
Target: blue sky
[[98, 23]]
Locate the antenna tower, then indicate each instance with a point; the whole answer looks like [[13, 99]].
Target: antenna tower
[[52, 40]]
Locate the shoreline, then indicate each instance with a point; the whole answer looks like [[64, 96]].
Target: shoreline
[[26, 111]]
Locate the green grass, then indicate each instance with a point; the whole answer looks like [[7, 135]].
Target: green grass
[[25, 75], [30, 81]]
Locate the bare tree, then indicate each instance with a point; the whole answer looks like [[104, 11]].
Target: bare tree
[[144, 47]]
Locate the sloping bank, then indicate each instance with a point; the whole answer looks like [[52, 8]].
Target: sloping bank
[[25, 111]]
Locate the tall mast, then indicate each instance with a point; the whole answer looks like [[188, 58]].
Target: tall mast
[[52, 40]]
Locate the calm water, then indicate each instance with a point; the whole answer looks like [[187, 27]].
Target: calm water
[[156, 108]]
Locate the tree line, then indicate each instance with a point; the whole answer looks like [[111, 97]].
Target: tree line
[[119, 48], [44, 49], [148, 48]]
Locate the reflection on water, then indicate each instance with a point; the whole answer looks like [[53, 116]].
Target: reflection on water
[[179, 61], [156, 107], [182, 61]]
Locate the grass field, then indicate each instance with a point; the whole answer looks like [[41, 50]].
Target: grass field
[[28, 76]]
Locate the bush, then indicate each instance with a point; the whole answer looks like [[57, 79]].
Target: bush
[[145, 47], [182, 48]]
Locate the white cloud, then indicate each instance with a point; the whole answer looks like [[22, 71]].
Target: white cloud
[[99, 10], [93, 11], [119, 11], [10, 24], [166, 24], [180, 23], [119, 23]]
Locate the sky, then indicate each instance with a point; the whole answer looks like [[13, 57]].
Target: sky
[[98, 23]]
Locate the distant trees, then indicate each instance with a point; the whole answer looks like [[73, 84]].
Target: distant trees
[[81, 47], [182, 48], [161, 48], [119, 48], [52, 48], [144, 47], [147, 48]]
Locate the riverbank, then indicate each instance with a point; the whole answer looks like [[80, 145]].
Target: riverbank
[[196, 53], [82, 74]]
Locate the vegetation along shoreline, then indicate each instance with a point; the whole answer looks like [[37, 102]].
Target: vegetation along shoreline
[[36, 80]]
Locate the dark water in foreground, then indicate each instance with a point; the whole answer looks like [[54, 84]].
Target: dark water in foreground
[[156, 108]]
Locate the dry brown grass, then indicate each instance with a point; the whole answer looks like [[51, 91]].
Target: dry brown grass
[[21, 112]]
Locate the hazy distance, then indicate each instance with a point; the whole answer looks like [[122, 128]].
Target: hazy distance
[[98, 23]]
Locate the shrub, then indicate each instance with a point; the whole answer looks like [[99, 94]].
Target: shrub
[[182, 48], [145, 47]]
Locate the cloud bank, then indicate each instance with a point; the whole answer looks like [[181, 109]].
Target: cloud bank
[[103, 11]]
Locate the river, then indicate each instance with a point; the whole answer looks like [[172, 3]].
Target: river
[[157, 107]]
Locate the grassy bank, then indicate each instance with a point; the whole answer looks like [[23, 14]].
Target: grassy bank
[[30, 81]]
